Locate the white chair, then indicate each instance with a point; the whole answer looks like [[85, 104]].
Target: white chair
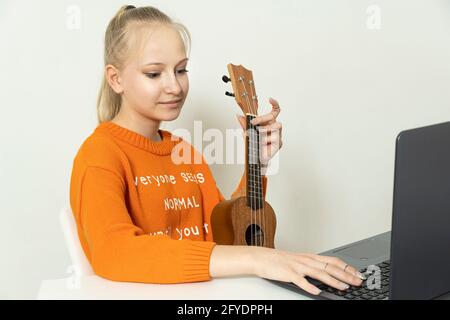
[[80, 264]]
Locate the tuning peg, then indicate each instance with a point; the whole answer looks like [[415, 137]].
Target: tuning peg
[[229, 94], [226, 79]]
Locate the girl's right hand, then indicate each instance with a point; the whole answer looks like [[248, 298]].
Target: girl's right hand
[[294, 267]]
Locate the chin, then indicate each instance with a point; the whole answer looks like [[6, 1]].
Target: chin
[[170, 115]]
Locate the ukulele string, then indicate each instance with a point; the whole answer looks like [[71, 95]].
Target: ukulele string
[[249, 168], [253, 175], [260, 191]]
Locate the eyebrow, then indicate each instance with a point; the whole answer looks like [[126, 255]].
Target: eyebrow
[[160, 63]]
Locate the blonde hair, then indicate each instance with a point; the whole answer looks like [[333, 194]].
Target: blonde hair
[[119, 40]]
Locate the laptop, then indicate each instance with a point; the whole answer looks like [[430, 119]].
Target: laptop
[[412, 261]]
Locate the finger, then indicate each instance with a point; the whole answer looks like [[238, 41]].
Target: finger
[[276, 126], [267, 131], [305, 285], [274, 103], [353, 271], [332, 270], [265, 135], [339, 263], [340, 270], [270, 138], [344, 266], [272, 115], [343, 276], [275, 107], [324, 277], [264, 119], [268, 151]]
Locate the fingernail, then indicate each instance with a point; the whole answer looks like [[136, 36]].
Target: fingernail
[[345, 286], [361, 276], [318, 291]]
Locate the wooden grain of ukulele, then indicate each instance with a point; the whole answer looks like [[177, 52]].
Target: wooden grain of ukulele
[[247, 220]]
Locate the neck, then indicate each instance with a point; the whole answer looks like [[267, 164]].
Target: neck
[[255, 196], [144, 126]]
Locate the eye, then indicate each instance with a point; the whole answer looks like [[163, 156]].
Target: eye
[[152, 75], [182, 71]]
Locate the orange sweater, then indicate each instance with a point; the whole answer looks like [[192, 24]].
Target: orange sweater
[[141, 215]]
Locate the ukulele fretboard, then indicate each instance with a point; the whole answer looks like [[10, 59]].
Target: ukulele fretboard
[[255, 196]]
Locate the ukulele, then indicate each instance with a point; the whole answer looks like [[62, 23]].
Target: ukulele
[[247, 220]]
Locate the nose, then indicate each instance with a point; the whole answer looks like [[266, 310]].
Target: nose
[[172, 85]]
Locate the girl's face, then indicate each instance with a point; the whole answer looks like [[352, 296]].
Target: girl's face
[[155, 84]]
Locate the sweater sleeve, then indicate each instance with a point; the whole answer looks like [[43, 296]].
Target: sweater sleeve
[[121, 251]]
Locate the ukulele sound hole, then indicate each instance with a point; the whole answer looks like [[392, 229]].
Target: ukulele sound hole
[[254, 236]]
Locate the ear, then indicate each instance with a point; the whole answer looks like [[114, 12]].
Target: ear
[[113, 77], [242, 121]]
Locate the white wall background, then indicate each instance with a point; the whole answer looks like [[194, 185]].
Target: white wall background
[[345, 90]]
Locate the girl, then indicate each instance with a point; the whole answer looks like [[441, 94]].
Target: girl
[[142, 214]]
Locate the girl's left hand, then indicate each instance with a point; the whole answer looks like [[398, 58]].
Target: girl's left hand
[[270, 132]]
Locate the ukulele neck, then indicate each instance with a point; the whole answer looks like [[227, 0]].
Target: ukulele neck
[[255, 197]]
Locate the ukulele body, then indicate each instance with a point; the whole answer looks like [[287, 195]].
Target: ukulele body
[[234, 223]]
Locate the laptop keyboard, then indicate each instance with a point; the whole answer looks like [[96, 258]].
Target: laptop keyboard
[[372, 291]]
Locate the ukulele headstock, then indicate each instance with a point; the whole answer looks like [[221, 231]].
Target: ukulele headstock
[[243, 88]]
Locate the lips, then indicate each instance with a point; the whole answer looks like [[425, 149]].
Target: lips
[[171, 102]]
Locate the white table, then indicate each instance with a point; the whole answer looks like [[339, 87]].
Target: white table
[[232, 288]]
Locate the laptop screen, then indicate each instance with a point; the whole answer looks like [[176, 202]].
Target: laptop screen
[[420, 245]]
